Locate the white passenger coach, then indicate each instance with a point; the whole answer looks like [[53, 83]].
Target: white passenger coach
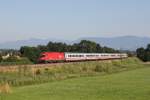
[[93, 56]]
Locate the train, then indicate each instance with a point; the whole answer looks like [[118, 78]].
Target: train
[[50, 57]]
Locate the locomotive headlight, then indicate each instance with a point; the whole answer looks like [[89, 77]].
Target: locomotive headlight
[[60, 56]]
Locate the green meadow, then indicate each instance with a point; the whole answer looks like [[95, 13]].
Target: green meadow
[[131, 84]]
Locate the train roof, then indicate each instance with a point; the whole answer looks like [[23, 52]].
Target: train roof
[[91, 53]]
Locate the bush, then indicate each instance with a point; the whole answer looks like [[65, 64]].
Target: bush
[[1, 58], [15, 61], [5, 88], [38, 72]]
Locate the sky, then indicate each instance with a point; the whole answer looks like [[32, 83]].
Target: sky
[[72, 19]]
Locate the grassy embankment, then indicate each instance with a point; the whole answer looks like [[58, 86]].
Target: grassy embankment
[[128, 85], [15, 61], [27, 75]]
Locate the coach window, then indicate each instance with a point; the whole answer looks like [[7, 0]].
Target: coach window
[[88, 55], [70, 55], [82, 55]]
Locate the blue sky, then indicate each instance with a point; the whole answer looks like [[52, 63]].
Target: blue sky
[[72, 19]]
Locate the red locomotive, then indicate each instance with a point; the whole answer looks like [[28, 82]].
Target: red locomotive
[[67, 56], [51, 56]]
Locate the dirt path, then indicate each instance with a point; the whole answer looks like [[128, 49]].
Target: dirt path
[[146, 62]]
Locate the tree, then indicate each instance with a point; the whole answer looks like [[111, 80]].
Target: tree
[[42, 48], [141, 53], [30, 52], [144, 54], [147, 56], [108, 50], [99, 49], [148, 48], [57, 47], [87, 46]]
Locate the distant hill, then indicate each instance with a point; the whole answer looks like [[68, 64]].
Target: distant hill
[[29, 42], [19, 43], [123, 42]]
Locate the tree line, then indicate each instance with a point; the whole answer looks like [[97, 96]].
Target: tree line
[[144, 53], [84, 46]]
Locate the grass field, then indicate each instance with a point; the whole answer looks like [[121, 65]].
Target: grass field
[[29, 75], [37, 74], [128, 85]]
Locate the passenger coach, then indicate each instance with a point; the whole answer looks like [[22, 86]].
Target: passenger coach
[[93, 56]]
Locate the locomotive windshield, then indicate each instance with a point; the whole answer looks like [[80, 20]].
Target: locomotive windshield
[[42, 56]]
